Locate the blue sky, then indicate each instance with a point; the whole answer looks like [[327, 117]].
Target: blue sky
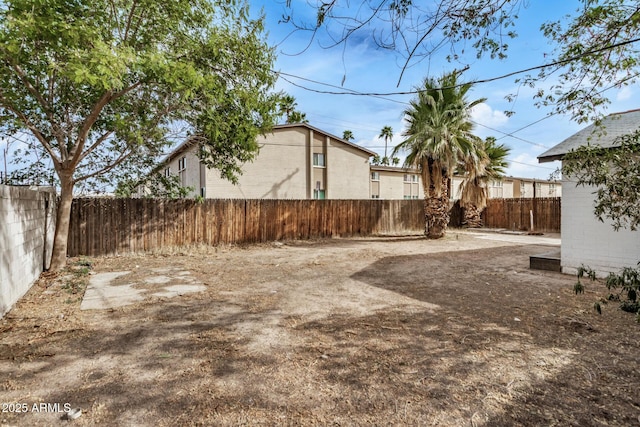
[[367, 68]]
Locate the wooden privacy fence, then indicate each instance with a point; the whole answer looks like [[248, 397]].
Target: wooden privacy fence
[[112, 226], [515, 214], [116, 226]]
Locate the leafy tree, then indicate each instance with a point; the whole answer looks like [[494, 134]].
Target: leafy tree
[[347, 135], [103, 87], [156, 185], [487, 162], [387, 134], [437, 138], [597, 50]]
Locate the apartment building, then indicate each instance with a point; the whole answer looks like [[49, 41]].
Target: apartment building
[[296, 161]]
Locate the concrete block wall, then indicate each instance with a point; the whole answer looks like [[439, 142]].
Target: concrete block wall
[[27, 224], [587, 241]]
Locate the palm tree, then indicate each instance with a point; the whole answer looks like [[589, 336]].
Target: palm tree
[[347, 135], [489, 163], [387, 134], [297, 117], [437, 138], [287, 106]]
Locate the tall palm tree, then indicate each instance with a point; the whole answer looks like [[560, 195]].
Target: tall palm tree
[[488, 163], [387, 134], [347, 135], [287, 106], [437, 138]]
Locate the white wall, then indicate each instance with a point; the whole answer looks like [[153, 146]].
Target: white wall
[[27, 222], [587, 241]]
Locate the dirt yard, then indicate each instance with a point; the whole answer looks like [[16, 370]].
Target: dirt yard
[[368, 331]]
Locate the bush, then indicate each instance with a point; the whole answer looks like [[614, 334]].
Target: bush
[[624, 288]]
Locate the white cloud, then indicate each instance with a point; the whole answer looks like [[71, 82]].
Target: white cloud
[[624, 94], [525, 165], [483, 114]]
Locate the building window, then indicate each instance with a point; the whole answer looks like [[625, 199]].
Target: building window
[[182, 170], [167, 172], [496, 189], [538, 189], [552, 190], [410, 177], [203, 192], [318, 194], [375, 176], [318, 159], [375, 196], [523, 191]]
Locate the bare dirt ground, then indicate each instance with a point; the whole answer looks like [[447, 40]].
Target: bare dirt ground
[[367, 331]]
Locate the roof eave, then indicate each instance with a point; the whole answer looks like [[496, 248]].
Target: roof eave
[[553, 158]]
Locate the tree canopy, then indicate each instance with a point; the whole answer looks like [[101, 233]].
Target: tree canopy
[[104, 87]]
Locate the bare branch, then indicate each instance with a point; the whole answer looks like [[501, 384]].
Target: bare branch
[[36, 132], [116, 162]]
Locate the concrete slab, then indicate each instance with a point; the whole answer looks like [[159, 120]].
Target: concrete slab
[[102, 294]]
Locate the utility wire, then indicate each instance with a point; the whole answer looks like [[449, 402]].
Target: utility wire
[[473, 82]]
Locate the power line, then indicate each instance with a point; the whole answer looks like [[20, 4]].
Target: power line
[[473, 82], [506, 134]]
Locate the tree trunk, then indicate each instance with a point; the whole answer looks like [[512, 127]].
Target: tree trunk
[[436, 212], [472, 218], [61, 236]]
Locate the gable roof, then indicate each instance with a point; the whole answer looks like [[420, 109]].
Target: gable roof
[[381, 168], [604, 135], [190, 142], [315, 129]]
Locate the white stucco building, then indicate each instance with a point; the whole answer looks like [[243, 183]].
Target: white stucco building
[[586, 240]]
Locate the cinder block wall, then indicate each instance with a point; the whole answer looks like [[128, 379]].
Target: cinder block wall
[[27, 223]]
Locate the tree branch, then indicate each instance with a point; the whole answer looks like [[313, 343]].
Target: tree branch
[[95, 145], [107, 168], [36, 132], [106, 98]]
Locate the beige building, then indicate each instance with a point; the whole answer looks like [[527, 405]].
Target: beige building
[[401, 183], [299, 161], [395, 183], [296, 161], [513, 188]]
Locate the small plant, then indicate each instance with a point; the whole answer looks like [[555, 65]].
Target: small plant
[[626, 285], [79, 270]]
